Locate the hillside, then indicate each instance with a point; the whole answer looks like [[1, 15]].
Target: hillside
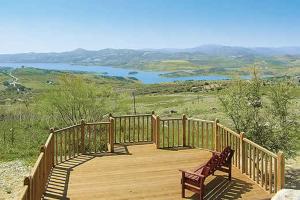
[[206, 59]]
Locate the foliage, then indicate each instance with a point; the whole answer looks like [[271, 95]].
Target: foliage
[[263, 112], [74, 99]]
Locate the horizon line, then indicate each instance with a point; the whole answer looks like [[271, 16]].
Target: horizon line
[[153, 49]]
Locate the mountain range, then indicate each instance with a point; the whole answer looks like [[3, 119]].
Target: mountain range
[[126, 57]]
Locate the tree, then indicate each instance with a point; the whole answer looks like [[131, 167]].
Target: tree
[[263, 112], [73, 99]]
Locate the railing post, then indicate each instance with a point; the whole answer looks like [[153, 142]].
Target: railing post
[[216, 135], [157, 132], [243, 153], [82, 127], [44, 165], [184, 118], [28, 183], [153, 129], [53, 156], [112, 134], [280, 170]]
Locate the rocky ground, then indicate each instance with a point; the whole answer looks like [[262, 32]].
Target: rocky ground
[[292, 174], [11, 178]]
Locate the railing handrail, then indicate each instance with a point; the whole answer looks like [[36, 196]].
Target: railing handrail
[[66, 128], [228, 129], [137, 115], [200, 120], [260, 148]]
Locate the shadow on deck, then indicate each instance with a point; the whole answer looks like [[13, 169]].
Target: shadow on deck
[[142, 172]]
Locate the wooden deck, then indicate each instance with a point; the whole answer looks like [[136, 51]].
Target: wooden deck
[[143, 172]]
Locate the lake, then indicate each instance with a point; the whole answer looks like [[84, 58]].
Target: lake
[[146, 77]]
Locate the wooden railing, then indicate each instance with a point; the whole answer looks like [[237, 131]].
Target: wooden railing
[[65, 144], [133, 128], [184, 132], [201, 134], [35, 183], [258, 163]]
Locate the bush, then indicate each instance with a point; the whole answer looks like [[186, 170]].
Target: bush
[[265, 119]]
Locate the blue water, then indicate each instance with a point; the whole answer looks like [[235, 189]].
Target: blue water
[[146, 77]]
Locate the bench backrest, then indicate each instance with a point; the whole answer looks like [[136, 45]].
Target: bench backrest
[[225, 156], [212, 164]]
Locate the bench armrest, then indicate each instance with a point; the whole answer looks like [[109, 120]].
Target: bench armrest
[[191, 173], [215, 153]]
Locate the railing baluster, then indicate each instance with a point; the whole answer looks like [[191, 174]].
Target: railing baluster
[[189, 132], [147, 129], [193, 134], [178, 133], [163, 133], [74, 145], [65, 146], [143, 125], [270, 174], [266, 171], [138, 128], [129, 127], [120, 130], [89, 132], [257, 166], [212, 136], [95, 139], [253, 163], [134, 140], [275, 175], [202, 134], [173, 134], [198, 134], [262, 169], [69, 142], [168, 133]]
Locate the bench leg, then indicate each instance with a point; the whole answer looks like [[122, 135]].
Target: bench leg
[[201, 192], [182, 186], [229, 173]]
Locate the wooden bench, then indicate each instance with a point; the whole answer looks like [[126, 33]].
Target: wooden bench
[[194, 180]]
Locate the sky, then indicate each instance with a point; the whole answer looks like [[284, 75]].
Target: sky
[[63, 25]]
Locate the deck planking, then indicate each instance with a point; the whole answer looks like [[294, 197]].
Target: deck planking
[[143, 172]]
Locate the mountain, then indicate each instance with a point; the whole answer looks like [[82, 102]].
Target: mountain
[[126, 57]]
